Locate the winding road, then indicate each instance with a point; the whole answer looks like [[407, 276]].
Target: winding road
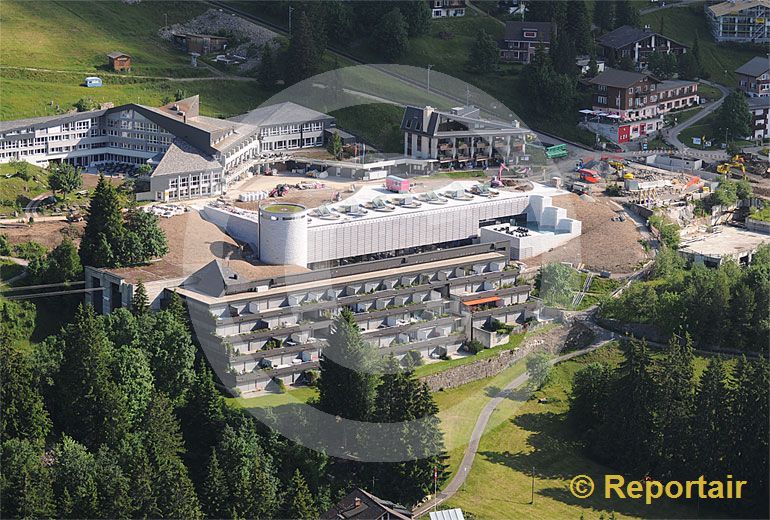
[[673, 133], [481, 424]]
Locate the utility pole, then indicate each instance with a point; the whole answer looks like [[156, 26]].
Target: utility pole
[[165, 17], [429, 67], [290, 11], [533, 485]]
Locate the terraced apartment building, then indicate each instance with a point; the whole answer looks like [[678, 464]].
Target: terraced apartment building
[[745, 21]]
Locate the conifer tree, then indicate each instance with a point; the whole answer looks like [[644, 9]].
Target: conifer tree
[[103, 235], [215, 492], [303, 58], [140, 304], [347, 383], [93, 409], [26, 484], [299, 501], [74, 472], [710, 421], [172, 488]]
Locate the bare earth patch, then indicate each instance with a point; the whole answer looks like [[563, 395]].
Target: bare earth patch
[[604, 245]]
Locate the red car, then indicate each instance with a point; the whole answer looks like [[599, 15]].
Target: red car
[[591, 176]]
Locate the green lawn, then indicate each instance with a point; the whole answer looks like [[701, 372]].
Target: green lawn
[[31, 98], [300, 394], [379, 124], [77, 35], [708, 92], [527, 435], [682, 23], [15, 192]]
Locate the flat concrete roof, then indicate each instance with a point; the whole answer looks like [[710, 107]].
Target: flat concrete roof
[[727, 242]]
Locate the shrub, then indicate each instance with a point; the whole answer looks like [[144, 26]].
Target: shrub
[[474, 346], [312, 377], [414, 358]]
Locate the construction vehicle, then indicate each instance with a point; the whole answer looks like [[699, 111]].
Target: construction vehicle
[[591, 176]]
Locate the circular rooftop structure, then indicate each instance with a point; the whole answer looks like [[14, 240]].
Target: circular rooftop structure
[[283, 208]]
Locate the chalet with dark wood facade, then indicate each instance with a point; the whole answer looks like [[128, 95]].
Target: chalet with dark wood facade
[[637, 44], [522, 39], [119, 61], [754, 77]]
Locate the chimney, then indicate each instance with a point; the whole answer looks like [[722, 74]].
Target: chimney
[[426, 116], [356, 502]]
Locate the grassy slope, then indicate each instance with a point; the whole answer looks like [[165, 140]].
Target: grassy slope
[[77, 35], [16, 193], [377, 123], [682, 23], [536, 435]]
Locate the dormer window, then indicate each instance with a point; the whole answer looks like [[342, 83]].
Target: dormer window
[[530, 34]]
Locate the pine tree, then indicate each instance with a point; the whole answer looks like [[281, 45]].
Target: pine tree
[[23, 413], [172, 487], [675, 415], [391, 35], [710, 421], [140, 304], [133, 377], [604, 16], [177, 308], [104, 228], [631, 441], [303, 59], [484, 54], [26, 484], [347, 383], [74, 472], [93, 409], [299, 500], [215, 492], [113, 486], [267, 73], [171, 353], [251, 484], [626, 13], [202, 418], [405, 403], [578, 26], [734, 117], [417, 15]]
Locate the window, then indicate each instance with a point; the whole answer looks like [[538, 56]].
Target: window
[[530, 34]]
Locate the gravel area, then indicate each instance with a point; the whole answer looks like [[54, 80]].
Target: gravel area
[[604, 245], [249, 37], [50, 234]]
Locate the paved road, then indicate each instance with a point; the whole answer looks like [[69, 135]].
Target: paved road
[[478, 431], [673, 133], [30, 210]]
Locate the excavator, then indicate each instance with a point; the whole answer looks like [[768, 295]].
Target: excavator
[[737, 162]]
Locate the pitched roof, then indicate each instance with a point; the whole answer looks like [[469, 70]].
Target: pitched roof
[[756, 66], [619, 78], [181, 157], [627, 35], [514, 31], [360, 505], [736, 6], [281, 113], [39, 122], [117, 54]]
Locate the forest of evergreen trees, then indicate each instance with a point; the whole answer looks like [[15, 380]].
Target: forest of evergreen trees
[[721, 308], [651, 417], [118, 416]]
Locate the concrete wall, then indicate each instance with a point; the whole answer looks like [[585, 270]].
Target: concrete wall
[[758, 226], [241, 227]]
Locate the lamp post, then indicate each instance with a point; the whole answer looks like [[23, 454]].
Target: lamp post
[[429, 67]]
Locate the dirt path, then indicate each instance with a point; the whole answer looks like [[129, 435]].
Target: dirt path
[[219, 77]]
